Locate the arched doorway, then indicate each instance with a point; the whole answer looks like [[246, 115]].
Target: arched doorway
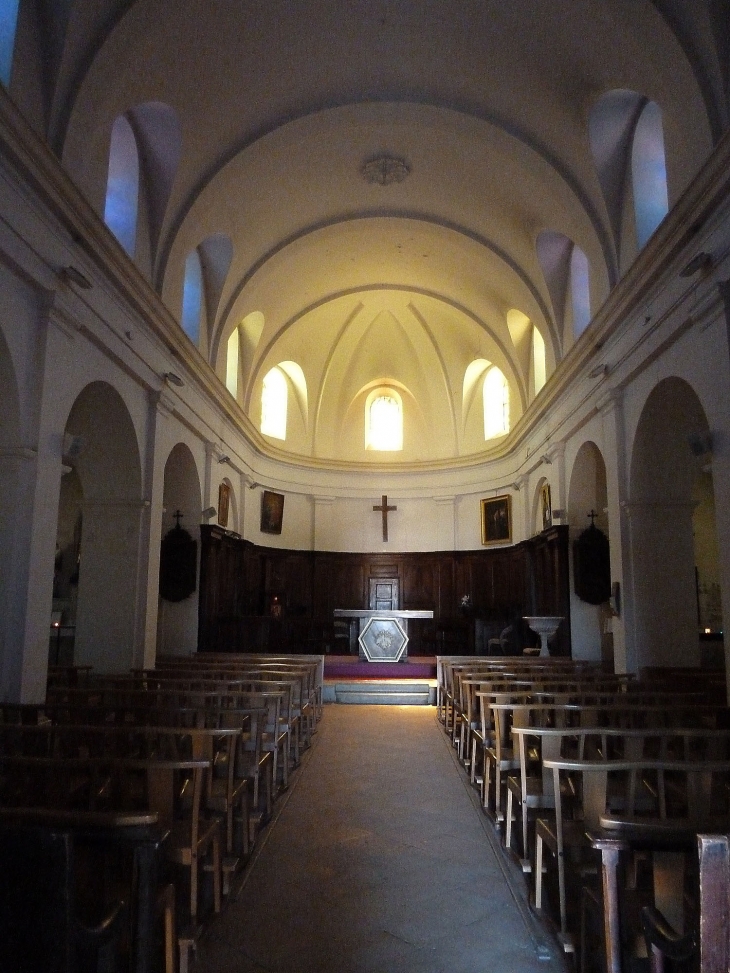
[[177, 621], [101, 507], [670, 487], [587, 502]]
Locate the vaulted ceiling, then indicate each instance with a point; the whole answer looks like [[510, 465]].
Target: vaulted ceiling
[[255, 121]]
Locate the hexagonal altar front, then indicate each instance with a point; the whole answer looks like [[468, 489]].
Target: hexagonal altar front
[[383, 640]]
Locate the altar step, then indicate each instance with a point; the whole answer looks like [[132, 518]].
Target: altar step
[[392, 692]]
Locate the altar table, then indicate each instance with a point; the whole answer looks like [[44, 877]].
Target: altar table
[[383, 634]]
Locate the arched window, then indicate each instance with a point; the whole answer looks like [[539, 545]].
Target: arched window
[[496, 403], [384, 420], [8, 23], [580, 293], [122, 187], [649, 172], [192, 301], [627, 141], [232, 359], [274, 396], [566, 271], [539, 370]]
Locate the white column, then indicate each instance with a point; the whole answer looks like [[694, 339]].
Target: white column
[[614, 438], [145, 643]]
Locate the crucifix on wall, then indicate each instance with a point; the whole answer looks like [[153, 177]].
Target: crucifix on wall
[[384, 508]]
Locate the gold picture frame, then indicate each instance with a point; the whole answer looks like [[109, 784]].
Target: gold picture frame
[[272, 512], [224, 501], [496, 517], [546, 506]]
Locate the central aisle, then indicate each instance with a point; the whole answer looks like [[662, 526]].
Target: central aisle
[[380, 860]]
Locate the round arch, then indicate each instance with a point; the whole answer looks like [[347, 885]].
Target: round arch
[[665, 466], [177, 621], [587, 503], [101, 448]]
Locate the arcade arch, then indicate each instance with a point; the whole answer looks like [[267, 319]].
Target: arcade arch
[[106, 461]]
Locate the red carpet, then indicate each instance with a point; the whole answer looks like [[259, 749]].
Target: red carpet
[[350, 667]]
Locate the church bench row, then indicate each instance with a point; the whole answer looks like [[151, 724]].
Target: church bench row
[[170, 792], [111, 704], [625, 734], [597, 801]]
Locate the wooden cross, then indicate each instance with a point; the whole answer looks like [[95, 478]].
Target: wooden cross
[[384, 508], [177, 517], [592, 515]]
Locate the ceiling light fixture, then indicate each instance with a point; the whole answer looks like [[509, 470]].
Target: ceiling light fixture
[[598, 372], [224, 458], [71, 275], [546, 459], [701, 261], [208, 512], [384, 170], [172, 379]]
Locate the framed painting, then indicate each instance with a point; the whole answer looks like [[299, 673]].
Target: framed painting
[[497, 520], [272, 512], [546, 505], [224, 502]]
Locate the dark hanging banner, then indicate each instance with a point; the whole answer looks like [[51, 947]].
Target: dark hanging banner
[[592, 566], [178, 564]]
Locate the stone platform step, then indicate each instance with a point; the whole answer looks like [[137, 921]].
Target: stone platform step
[[379, 692]]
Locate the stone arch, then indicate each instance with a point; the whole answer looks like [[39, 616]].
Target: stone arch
[[665, 465], [177, 622], [101, 448], [587, 493]]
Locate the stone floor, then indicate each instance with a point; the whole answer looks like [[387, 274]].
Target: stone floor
[[379, 860]]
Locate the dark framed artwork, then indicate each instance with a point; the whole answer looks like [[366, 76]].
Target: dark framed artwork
[[546, 506], [497, 520], [272, 512], [224, 501]]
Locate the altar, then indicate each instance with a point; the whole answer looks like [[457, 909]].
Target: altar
[[382, 635]]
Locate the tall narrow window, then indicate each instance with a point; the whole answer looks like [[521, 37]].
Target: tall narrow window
[[538, 360], [8, 23], [192, 301], [496, 404], [384, 421], [274, 404], [232, 358], [580, 292], [122, 188], [649, 171]]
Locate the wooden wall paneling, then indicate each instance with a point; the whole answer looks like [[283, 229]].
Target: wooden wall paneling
[[238, 579]]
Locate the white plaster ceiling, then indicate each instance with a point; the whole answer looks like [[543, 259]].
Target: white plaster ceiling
[[279, 105]]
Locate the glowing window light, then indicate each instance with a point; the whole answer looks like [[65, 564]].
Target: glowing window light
[[580, 291], [496, 404], [649, 173], [274, 395], [538, 359], [232, 365], [8, 23], [192, 301], [122, 188], [384, 422]]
